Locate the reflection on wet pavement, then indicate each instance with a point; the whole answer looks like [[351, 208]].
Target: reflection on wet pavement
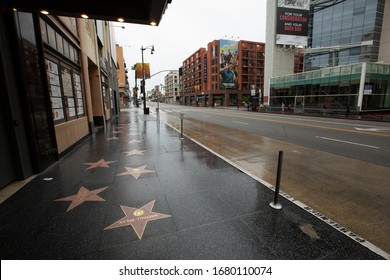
[[175, 200], [352, 192]]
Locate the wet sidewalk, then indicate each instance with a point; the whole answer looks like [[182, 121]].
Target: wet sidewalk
[[137, 191]]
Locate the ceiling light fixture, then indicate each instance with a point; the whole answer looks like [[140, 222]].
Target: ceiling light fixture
[[84, 16], [121, 20], [44, 12]]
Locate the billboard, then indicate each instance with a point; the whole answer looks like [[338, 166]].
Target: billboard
[[292, 18], [138, 71], [228, 64]]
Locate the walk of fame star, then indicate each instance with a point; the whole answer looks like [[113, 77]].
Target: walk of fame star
[[135, 141], [135, 152], [112, 138], [135, 172], [134, 133], [138, 218], [83, 195], [99, 163]]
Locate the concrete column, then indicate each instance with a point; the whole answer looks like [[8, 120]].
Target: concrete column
[[278, 61], [361, 87], [87, 89]]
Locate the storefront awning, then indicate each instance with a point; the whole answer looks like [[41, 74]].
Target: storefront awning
[[134, 11]]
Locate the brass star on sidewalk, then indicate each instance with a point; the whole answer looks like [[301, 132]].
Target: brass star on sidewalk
[[134, 133], [112, 138], [83, 195], [135, 141], [135, 172], [138, 218], [135, 152], [99, 163]]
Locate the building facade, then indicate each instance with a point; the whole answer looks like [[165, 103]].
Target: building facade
[[228, 73], [347, 62], [123, 82], [58, 76], [360, 87], [194, 81], [344, 32], [64, 86], [171, 87]]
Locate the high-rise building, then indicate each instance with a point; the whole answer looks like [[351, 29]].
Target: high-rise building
[[226, 74], [171, 86], [344, 32], [347, 60], [193, 71]]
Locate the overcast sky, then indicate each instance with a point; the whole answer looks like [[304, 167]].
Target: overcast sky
[[187, 26]]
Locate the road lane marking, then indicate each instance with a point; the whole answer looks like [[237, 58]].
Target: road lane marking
[[304, 124], [241, 122], [379, 129], [347, 142]]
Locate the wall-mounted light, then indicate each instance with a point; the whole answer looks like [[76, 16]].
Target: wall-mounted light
[[44, 12], [14, 9], [121, 20], [153, 23], [84, 16]]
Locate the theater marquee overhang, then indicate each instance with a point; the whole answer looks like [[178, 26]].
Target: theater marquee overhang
[[134, 11]]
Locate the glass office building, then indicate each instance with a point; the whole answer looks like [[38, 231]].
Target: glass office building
[[357, 87], [341, 65], [348, 32]]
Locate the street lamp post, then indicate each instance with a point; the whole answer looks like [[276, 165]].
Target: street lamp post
[[158, 97], [151, 47]]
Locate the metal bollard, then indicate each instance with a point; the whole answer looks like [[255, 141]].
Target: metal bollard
[[181, 127], [275, 203]]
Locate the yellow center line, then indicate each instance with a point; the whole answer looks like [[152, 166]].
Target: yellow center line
[[307, 125]]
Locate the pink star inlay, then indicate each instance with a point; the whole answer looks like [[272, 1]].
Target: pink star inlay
[[83, 195], [99, 163], [137, 218], [135, 172], [135, 152]]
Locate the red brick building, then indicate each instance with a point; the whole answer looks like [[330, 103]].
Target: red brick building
[[226, 74]]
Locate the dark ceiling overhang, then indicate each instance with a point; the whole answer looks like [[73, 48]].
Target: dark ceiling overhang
[[131, 11]]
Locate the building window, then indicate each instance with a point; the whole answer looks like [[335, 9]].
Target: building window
[[65, 91], [52, 37], [55, 91]]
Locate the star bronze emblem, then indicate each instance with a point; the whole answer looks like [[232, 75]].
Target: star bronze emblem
[[82, 195], [112, 138], [138, 218], [135, 152], [99, 163], [135, 172]]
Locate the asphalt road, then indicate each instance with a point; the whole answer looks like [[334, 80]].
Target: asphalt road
[[362, 140], [338, 167]]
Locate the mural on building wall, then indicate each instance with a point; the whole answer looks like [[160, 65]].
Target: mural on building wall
[[228, 64], [292, 22]]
